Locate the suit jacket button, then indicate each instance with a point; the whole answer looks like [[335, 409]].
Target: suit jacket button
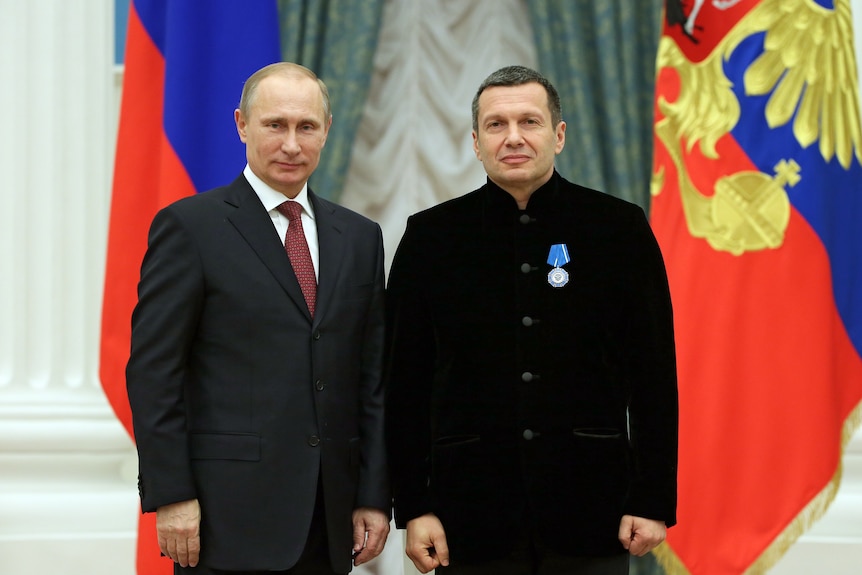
[[526, 268], [527, 321], [314, 441], [319, 385], [316, 335], [526, 377], [528, 434]]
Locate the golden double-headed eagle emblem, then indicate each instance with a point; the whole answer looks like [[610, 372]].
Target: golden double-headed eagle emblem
[[808, 71]]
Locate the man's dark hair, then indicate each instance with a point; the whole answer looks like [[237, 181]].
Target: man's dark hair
[[517, 76]]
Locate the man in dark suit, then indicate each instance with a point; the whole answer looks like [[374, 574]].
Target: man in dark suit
[[255, 386], [531, 379]]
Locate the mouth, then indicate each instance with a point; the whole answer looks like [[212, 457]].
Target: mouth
[[288, 165], [515, 159]]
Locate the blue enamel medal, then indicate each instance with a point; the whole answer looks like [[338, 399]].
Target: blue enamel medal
[[557, 257]]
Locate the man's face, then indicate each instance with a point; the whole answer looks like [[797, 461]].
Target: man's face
[[284, 132], [516, 140]]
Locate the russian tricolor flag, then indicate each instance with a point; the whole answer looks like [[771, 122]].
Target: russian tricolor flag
[[185, 64], [757, 207]]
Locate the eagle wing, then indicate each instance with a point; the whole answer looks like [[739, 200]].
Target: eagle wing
[[809, 67]]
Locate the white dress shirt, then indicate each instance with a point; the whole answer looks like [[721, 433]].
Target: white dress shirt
[[271, 199]]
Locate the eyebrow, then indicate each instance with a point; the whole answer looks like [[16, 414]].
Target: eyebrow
[[522, 116], [283, 120]]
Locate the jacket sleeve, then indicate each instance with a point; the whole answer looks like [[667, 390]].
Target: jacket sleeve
[[651, 378], [170, 298], [373, 478], [408, 373]]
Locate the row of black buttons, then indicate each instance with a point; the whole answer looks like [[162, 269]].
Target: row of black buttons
[[314, 440], [528, 321]]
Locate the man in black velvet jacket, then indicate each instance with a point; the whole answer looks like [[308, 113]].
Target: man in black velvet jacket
[[531, 400]]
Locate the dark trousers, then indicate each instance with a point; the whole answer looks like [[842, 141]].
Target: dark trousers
[[531, 557], [314, 559], [557, 565]]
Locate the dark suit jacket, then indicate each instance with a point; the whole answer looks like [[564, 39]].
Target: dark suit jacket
[[239, 399], [513, 403]]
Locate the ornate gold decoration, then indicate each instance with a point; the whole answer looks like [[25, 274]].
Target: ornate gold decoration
[[750, 210], [809, 68]]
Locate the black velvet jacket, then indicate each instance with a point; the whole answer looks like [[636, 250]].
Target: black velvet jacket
[[511, 402]]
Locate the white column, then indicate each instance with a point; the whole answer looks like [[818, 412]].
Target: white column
[[67, 469]]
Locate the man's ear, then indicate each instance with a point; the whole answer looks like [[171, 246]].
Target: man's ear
[[561, 137], [326, 130], [240, 124]]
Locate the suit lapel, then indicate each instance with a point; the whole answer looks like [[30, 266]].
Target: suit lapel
[[330, 239], [252, 221]]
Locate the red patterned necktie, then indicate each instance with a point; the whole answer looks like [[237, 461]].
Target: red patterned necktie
[[297, 251]]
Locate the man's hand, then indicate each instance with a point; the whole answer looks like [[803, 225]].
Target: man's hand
[[370, 528], [640, 535], [179, 529], [426, 543]]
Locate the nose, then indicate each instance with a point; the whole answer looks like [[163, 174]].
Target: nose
[[290, 144], [514, 138]]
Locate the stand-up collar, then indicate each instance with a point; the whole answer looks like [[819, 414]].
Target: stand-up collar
[[500, 201]]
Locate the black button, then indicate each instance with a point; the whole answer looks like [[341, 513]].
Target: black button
[[525, 219], [527, 321], [319, 385], [528, 434], [314, 441], [526, 377], [316, 335], [526, 268]]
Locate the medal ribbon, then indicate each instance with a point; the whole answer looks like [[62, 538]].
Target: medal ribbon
[[559, 255]]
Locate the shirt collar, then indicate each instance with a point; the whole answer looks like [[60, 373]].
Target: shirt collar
[[271, 199]]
